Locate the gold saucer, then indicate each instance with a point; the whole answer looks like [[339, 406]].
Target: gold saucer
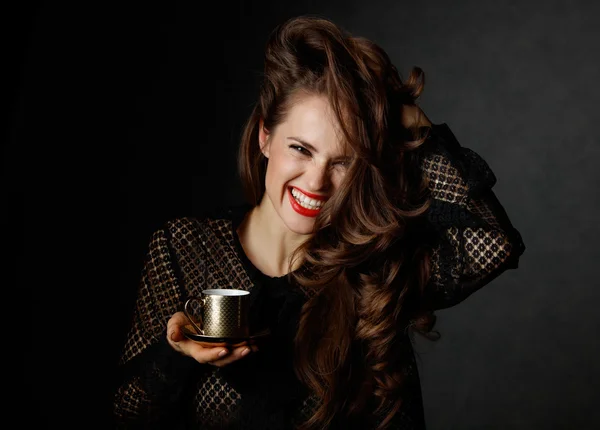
[[212, 341]]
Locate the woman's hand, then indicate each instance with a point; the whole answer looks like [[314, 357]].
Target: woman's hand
[[413, 115], [218, 356]]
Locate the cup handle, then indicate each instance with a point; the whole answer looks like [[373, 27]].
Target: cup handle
[[202, 302]]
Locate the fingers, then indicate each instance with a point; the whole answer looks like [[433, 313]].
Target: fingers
[[235, 355], [217, 356], [413, 115], [174, 333]]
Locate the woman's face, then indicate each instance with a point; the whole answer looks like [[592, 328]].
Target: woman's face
[[306, 163]]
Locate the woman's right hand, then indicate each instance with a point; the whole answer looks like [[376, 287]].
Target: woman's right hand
[[218, 356]]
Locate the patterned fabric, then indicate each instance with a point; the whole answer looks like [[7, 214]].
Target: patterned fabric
[[161, 388], [477, 241]]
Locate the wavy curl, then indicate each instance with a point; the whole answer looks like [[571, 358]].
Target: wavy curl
[[365, 265]]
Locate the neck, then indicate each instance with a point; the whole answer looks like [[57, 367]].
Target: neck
[[267, 241]]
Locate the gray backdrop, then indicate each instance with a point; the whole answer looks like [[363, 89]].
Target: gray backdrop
[[151, 100]]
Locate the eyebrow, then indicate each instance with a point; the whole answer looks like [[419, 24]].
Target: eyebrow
[[313, 149]]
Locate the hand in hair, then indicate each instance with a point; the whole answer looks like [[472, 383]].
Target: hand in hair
[[413, 115]]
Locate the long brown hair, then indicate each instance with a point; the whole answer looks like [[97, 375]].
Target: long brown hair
[[366, 264]]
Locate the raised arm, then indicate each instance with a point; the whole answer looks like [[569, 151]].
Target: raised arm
[[477, 241]]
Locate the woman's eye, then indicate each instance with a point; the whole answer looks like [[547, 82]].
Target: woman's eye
[[342, 163], [302, 150]]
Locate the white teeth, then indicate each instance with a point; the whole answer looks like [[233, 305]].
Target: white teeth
[[306, 202]]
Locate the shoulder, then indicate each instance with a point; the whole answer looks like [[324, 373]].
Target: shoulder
[[203, 224]]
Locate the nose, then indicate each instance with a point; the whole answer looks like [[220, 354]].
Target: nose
[[318, 177]]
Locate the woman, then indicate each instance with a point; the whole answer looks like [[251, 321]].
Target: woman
[[362, 219]]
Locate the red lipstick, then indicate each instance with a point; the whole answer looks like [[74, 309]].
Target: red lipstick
[[300, 209], [312, 196]]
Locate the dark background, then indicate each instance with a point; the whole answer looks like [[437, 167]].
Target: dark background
[[122, 115]]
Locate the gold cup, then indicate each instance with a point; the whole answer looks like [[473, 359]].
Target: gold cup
[[222, 313]]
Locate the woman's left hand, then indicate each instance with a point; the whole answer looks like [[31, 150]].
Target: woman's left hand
[[413, 114]]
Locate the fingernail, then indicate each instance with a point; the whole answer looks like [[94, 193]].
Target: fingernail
[[245, 351], [172, 336], [222, 353]]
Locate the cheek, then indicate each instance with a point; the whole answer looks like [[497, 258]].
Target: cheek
[[337, 179], [282, 168]]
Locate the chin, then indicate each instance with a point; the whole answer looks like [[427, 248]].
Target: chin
[[299, 224]]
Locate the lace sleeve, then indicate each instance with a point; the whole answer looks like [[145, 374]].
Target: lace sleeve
[[152, 372], [477, 241]]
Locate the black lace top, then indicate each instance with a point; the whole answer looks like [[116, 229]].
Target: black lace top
[[160, 388]]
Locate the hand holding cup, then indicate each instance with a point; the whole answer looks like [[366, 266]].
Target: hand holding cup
[[218, 356], [221, 313]]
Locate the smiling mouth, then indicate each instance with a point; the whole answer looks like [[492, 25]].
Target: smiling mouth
[[306, 202]]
